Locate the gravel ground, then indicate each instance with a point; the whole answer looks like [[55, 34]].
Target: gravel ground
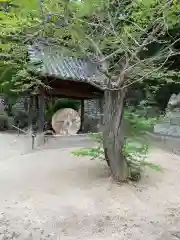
[[51, 194]]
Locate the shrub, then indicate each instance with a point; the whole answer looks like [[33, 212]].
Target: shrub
[[66, 103], [10, 122], [3, 122], [20, 119], [135, 148]]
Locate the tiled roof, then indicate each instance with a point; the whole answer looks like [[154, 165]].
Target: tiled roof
[[52, 63]]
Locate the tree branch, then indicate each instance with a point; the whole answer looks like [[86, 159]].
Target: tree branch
[[147, 74]]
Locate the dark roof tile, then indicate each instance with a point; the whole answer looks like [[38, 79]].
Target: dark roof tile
[[64, 68]]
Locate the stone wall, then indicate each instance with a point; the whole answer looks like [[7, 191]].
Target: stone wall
[[91, 108], [92, 115], [169, 125]]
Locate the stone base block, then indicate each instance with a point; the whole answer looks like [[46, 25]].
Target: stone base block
[[39, 140]]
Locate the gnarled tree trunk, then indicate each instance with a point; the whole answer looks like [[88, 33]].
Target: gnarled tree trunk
[[113, 136]]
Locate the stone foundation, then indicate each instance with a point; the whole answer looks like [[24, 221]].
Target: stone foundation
[[169, 125]]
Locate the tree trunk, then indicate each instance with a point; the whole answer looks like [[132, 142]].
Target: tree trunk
[[113, 137]]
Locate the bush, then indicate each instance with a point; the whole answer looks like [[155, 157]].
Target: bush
[[20, 119], [135, 148], [3, 122], [137, 123], [10, 122], [66, 103]]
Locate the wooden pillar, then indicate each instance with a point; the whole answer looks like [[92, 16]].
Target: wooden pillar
[[30, 112], [101, 107], [81, 130], [27, 102], [53, 101], [41, 104], [36, 110]]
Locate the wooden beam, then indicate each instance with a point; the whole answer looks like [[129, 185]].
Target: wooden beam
[[41, 106], [30, 112], [72, 93], [101, 107], [81, 130]]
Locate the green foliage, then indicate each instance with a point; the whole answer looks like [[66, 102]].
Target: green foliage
[[135, 149], [3, 122], [154, 167], [66, 103], [88, 27], [93, 153], [19, 24], [20, 119], [139, 124]]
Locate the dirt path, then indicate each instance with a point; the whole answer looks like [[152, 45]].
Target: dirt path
[[53, 195]]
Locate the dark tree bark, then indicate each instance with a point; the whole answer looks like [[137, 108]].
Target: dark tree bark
[[113, 136]]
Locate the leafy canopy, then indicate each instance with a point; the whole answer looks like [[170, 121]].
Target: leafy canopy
[[131, 35]]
